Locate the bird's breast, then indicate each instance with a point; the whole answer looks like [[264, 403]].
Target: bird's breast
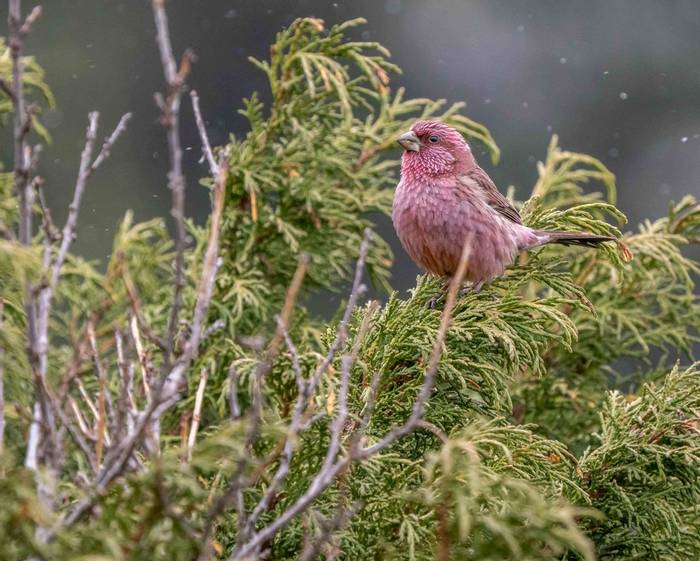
[[425, 218], [433, 223]]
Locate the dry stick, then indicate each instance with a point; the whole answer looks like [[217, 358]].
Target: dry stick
[[85, 171], [329, 526], [51, 233], [143, 360], [21, 120], [104, 403], [357, 289], [206, 146], [431, 372], [234, 492], [87, 399], [166, 391], [198, 400], [234, 406], [79, 418], [125, 403], [39, 325], [327, 474], [22, 156], [170, 118]]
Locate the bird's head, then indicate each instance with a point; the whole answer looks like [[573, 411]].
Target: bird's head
[[433, 149]]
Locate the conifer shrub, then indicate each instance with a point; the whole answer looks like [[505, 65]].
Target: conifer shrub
[[312, 440]]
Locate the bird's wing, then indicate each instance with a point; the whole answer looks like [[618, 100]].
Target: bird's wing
[[477, 183]]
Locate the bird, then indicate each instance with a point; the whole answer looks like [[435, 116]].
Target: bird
[[445, 198]]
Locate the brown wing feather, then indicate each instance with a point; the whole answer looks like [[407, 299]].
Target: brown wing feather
[[477, 183]]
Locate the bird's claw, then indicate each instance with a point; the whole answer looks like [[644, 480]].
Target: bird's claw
[[433, 302], [474, 288]]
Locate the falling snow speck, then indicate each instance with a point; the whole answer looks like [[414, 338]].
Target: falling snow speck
[[684, 139], [562, 60], [487, 100], [521, 28], [623, 96]]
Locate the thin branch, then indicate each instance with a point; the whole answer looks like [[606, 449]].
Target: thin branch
[[210, 265], [166, 393], [126, 403], [206, 146], [86, 169], [18, 30], [234, 406], [234, 490], [341, 517], [330, 469], [198, 400], [51, 233], [140, 353], [431, 372], [170, 119]]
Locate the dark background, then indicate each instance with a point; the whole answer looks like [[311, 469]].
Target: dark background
[[619, 80]]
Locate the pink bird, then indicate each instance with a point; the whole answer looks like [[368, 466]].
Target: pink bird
[[445, 198]]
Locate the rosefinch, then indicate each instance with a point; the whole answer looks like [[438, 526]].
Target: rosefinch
[[445, 198]]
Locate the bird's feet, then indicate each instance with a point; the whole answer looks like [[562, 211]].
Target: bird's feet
[[471, 288]]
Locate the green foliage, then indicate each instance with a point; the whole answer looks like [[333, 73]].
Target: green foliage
[[524, 453], [313, 166], [34, 83], [648, 307], [643, 475]]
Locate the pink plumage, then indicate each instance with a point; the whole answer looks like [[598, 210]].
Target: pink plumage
[[445, 198]]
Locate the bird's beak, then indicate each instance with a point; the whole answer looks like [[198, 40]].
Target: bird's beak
[[409, 141]]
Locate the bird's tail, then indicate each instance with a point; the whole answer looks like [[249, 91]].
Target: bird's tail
[[574, 238]]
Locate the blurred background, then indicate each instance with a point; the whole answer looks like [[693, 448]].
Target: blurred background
[[619, 80]]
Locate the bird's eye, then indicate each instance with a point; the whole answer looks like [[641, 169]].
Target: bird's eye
[[433, 139]]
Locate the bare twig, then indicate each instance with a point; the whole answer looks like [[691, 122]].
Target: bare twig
[[252, 541], [234, 490], [50, 231], [85, 171], [206, 146], [234, 406], [331, 467], [327, 527], [18, 31], [170, 118], [166, 392], [198, 400], [140, 353], [126, 404], [431, 372]]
